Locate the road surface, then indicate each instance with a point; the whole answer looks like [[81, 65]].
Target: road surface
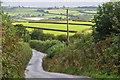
[[35, 69]]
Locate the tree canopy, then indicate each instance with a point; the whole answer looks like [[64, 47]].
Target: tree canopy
[[107, 20]]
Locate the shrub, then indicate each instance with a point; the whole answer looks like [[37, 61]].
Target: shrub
[[17, 61], [76, 36], [15, 56], [56, 49], [84, 57], [36, 35], [39, 35], [62, 38], [113, 53], [43, 46], [22, 32], [24, 56], [38, 45], [48, 37]]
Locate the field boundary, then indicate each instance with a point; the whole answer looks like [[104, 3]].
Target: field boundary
[[49, 29], [60, 23]]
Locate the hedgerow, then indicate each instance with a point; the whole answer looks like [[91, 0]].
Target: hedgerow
[[15, 55]]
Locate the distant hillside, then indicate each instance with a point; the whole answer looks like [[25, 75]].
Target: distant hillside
[[20, 13]]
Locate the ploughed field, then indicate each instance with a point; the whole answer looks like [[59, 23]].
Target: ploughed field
[[57, 26]]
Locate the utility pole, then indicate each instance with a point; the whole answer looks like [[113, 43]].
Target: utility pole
[[67, 28]]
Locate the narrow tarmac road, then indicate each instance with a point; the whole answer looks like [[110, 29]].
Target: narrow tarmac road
[[35, 69]]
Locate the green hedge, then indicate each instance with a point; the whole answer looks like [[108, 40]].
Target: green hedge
[[84, 57], [42, 45], [15, 54], [56, 49], [14, 63], [50, 47], [25, 54]]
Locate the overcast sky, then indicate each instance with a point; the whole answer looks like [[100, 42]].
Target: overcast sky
[[55, 0]]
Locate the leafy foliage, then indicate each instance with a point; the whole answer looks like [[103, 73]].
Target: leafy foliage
[[37, 35], [48, 37], [62, 38], [57, 49], [107, 20], [12, 51], [22, 32], [84, 57], [43, 46]]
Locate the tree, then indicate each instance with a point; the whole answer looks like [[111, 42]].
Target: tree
[[47, 11], [21, 32], [107, 20], [62, 38], [36, 35], [63, 6], [43, 15]]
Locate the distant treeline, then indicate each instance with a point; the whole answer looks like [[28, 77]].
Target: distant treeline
[[88, 7]]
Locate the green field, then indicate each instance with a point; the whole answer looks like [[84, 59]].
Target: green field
[[51, 15], [23, 11], [91, 11], [77, 22], [78, 28], [20, 13], [61, 11]]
